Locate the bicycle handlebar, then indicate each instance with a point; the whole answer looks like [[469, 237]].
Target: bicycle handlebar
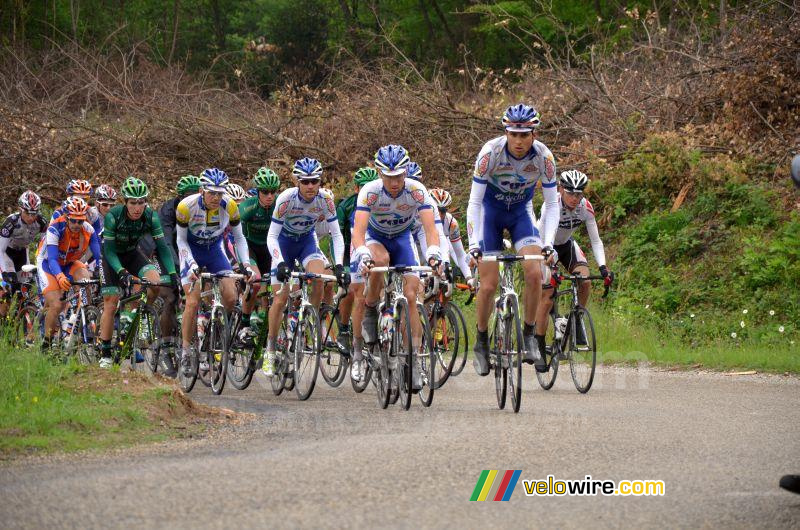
[[513, 258], [402, 268]]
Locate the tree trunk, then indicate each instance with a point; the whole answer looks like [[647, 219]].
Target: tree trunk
[[219, 30], [431, 33], [446, 26], [175, 12], [723, 16], [74, 9]]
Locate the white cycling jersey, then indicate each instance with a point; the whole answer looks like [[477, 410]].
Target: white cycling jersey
[[502, 182], [295, 217], [391, 216], [571, 220], [17, 235], [453, 236], [200, 227]]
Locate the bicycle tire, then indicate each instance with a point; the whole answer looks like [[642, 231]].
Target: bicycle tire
[[28, 321], [360, 386], [427, 361], [218, 350], [187, 381], [403, 351], [497, 341], [307, 345], [547, 379], [148, 336], [278, 380], [240, 360], [515, 345], [332, 363], [87, 348], [582, 362], [444, 328], [383, 375], [458, 367]]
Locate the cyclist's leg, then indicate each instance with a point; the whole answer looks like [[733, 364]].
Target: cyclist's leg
[[355, 314], [579, 265], [111, 294], [526, 240], [369, 319], [248, 304], [317, 266], [189, 321]]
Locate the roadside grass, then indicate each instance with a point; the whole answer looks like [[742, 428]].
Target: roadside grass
[[625, 339], [47, 406]]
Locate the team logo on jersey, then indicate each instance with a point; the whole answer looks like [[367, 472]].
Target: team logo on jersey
[[372, 198], [530, 168], [549, 168], [483, 164], [418, 196], [588, 206], [329, 203], [282, 209], [402, 207]]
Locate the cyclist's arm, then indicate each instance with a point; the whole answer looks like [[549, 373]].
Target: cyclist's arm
[[594, 236], [337, 241], [444, 248], [52, 259], [461, 257], [343, 217], [163, 250], [6, 263], [166, 215], [110, 243], [242, 252], [431, 235], [272, 242], [550, 193], [478, 190], [182, 217], [94, 246]]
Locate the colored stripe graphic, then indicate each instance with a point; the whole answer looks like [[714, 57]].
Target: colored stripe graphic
[[497, 491]]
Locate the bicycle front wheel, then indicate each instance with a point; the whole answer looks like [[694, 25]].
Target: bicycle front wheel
[[513, 353], [87, 348], [279, 380], [240, 357], [218, 350], [497, 343], [306, 352], [463, 339], [146, 341], [403, 352], [333, 355], [426, 361], [445, 340], [553, 347], [582, 357]]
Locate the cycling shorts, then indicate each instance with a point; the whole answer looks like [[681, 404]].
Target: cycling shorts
[[303, 249], [48, 282], [133, 261], [260, 257], [519, 224], [211, 257], [401, 248], [19, 257], [570, 255]]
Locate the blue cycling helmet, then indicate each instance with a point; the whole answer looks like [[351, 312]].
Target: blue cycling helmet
[[307, 168], [521, 118], [392, 160], [414, 171], [252, 192], [213, 179]]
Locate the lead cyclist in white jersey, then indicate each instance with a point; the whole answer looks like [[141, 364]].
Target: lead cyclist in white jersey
[[574, 210], [505, 177], [292, 238], [385, 212]]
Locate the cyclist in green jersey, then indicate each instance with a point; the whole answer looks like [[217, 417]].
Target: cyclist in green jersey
[[123, 227], [256, 215]]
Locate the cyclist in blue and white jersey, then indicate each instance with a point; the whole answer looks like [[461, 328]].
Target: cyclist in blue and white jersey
[[202, 219], [292, 237], [83, 190], [505, 176], [385, 213], [413, 171]]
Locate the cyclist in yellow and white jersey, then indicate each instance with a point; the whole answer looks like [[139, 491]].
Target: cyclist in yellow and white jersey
[[201, 222]]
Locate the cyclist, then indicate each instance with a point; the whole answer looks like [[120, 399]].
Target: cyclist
[[415, 172], [574, 210], [18, 231], [105, 197], [124, 226], [256, 214], [322, 230], [58, 260], [237, 194], [83, 190], [202, 219], [345, 211], [505, 176], [292, 238], [452, 231], [385, 214]]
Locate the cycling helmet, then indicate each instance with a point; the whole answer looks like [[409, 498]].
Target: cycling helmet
[[266, 179], [104, 192], [521, 118], [76, 208], [213, 179], [307, 168], [236, 192], [252, 192], [573, 180], [134, 188], [188, 184], [79, 187], [392, 159], [441, 197], [364, 175], [414, 171], [29, 202]]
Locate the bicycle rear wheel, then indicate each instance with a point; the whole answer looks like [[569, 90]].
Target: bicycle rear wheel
[[87, 347], [383, 375], [27, 323], [306, 352], [359, 386], [444, 327], [403, 352], [513, 353], [187, 380], [146, 340], [427, 361], [463, 339], [240, 357], [582, 357], [278, 381], [218, 350], [497, 342], [333, 356], [548, 378]]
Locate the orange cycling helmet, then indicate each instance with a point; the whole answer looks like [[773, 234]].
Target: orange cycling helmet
[[76, 208]]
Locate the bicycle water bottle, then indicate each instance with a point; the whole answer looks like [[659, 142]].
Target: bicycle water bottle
[[292, 325], [202, 322], [561, 327], [385, 324], [125, 319]]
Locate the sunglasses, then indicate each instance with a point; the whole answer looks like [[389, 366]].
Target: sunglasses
[[137, 203], [267, 192], [105, 204], [31, 212], [74, 221], [308, 182], [574, 193]]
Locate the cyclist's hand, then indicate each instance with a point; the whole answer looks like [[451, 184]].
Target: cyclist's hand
[[249, 274], [366, 266], [125, 278], [475, 257], [608, 276], [436, 264], [447, 270], [282, 272], [175, 280], [63, 281], [342, 276], [549, 254], [473, 284]]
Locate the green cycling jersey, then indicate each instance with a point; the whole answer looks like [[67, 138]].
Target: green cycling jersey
[[121, 234], [344, 212], [255, 220]]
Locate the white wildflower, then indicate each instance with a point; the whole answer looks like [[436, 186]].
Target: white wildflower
[[780, 329], [772, 312], [744, 311], [733, 335], [741, 323]]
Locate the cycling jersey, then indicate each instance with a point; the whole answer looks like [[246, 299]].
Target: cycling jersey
[[453, 237], [571, 220], [92, 216], [200, 235], [295, 219], [121, 235], [421, 238], [15, 237], [166, 214], [391, 216], [345, 211], [500, 198], [255, 220], [61, 249]]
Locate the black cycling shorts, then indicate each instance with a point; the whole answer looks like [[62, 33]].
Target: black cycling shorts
[[19, 256], [134, 261], [570, 255], [259, 254]]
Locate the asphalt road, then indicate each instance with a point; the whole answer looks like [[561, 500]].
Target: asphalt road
[[720, 444]]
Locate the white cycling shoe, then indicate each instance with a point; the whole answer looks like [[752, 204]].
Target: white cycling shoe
[[357, 370]]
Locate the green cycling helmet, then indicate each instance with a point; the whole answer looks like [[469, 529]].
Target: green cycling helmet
[[188, 184], [364, 175], [134, 188], [266, 179]]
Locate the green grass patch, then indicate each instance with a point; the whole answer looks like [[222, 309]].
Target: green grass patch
[[47, 406]]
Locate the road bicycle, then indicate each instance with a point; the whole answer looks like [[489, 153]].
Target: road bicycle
[[245, 357], [334, 358], [445, 324], [564, 331], [139, 341], [25, 315]]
